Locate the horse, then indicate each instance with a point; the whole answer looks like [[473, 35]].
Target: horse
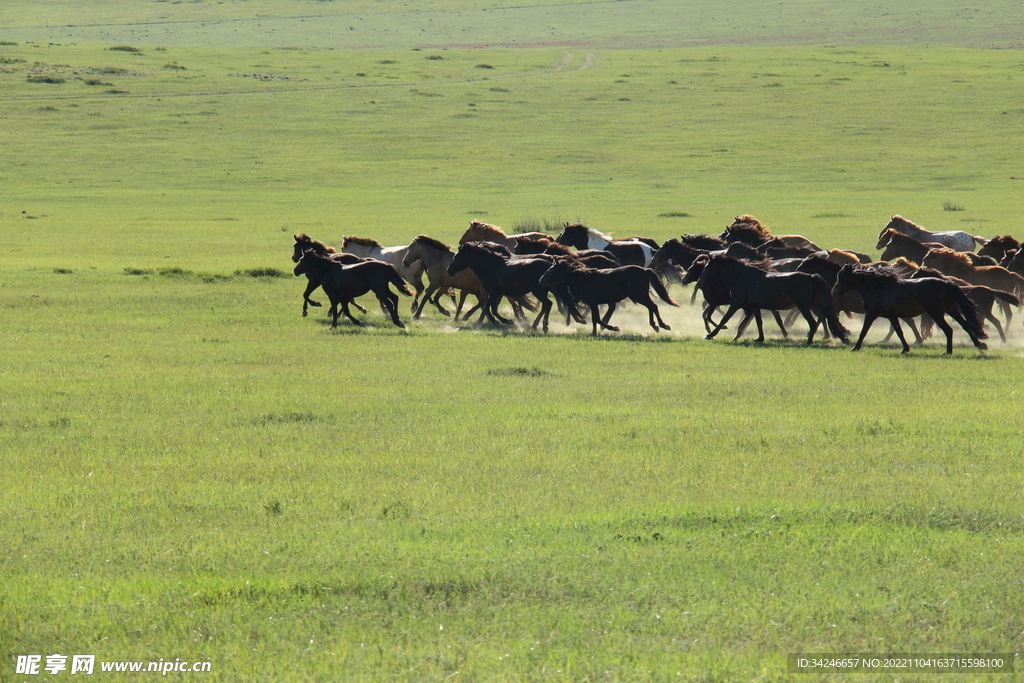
[[370, 248], [897, 245], [635, 251], [478, 231], [595, 286], [502, 276], [887, 296], [342, 283], [749, 230], [703, 242], [752, 288], [954, 239], [304, 243], [672, 256], [984, 298], [953, 263], [716, 293], [435, 257], [999, 246]]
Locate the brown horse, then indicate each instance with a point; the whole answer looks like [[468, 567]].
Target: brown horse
[[594, 287], [953, 263], [984, 298], [304, 243], [897, 244], [478, 231], [342, 283], [749, 230], [887, 296], [752, 289], [999, 246], [716, 292], [435, 257]]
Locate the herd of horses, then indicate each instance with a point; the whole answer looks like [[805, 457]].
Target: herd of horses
[[920, 278]]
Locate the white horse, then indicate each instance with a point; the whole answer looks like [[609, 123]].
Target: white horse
[[954, 239], [368, 248], [632, 251]]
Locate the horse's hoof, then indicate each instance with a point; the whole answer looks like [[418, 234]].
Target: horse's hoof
[[709, 337], [666, 327], [982, 345], [304, 314]]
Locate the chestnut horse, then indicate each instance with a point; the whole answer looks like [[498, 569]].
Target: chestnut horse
[[478, 231]]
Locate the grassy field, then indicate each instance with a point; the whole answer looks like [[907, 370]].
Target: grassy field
[[194, 471]]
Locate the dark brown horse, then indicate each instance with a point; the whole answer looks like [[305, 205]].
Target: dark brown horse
[[999, 246], [896, 245], [887, 296], [304, 243], [595, 287], [752, 289], [715, 288], [342, 283], [500, 275]]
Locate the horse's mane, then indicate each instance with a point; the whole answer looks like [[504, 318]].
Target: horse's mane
[[749, 222], [823, 263], [952, 255], [558, 249], [310, 243], [885, 273], [589, 231], [1005, 241], [732, 261], [431, 242], [706, 242], [751, 233], [900, 237], [487, 227], [364, 241], [489, 248], [900, 219]]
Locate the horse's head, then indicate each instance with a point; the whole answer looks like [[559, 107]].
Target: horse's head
[[302, 264], [574, 236], [412, 254], [885, 237], [844, 281], [557, 272]]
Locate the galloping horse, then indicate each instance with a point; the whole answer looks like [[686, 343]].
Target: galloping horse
[[478, 231], [304, 243], [749, 230], [435, 257], [369, 248], [999, 246], [954, 239], [635, 251], [887, 296], [715, 288], [897, 245], [595, 286], [958, 265], [342, 283], [502, 276], [752, 289]]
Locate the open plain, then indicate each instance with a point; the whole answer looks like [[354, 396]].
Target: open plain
[[192, 470]]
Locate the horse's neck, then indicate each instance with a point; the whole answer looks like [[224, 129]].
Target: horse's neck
[[908, 228]]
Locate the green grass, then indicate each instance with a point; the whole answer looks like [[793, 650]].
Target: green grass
[[194, 470]]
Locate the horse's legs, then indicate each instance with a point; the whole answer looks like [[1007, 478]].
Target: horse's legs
[[955, 315], [348, 313], [791, 318], [392, 308], [607, 317], [545, 309], [812, 322], [999, 328], [868, 319], [760, 325], [492, 307], [310, 288], [721, 324], [747, 317], [895, 322], [778, 319], [595, 317]]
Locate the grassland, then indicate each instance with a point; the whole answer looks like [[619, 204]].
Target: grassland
[[193, 470]]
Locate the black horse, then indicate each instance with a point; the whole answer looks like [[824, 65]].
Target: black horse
[[304, 243], [887, 296], [752, 289], [500, 275], [716, 293], [595, 286], [342, 283]]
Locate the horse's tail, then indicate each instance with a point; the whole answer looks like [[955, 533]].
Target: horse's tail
[[398, 282], [979, 240], [671, 273], [1007, 297], [828, 307], [659, 288], [969, 312]]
